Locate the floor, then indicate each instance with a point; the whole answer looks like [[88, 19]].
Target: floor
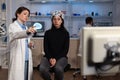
[[68, 76]]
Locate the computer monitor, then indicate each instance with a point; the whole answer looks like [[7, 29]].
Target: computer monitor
[[100, 48], [40, 24]]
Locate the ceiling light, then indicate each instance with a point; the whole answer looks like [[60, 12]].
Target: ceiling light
[[91, 1], [43, 1]]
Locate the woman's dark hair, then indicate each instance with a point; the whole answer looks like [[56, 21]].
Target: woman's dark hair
[[20, 10], [62, 24], [89, 20], [13, 19]]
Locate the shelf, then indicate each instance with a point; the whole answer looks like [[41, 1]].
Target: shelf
[[44, 16], [40, 16], [93, 17]]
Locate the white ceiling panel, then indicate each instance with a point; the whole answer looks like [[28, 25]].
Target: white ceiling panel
[[92, 0], [74, 0]]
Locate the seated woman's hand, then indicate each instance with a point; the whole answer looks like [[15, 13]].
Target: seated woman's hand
[[52, 62]]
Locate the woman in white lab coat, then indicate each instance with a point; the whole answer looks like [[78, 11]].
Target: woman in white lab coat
[[20, 63]]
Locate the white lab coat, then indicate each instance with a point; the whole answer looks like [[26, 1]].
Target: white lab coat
[[17, 38]]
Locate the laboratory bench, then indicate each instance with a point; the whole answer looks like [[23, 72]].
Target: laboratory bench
[[38, 52]]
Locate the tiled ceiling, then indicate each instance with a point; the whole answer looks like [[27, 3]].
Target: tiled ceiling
[[85, 0], [74, 0], [92, 0]]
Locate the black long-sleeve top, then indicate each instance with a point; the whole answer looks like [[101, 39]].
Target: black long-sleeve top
[[56, 43]]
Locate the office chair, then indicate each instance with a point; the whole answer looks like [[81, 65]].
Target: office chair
[[68, 66], [77, 71]]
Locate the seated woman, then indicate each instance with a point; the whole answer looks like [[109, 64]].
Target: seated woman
[[56, 46]]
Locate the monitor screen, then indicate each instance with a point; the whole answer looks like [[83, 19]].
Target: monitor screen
[[99, 45], [39, 26]]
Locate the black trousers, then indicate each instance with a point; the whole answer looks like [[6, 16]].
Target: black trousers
[[58, 69]]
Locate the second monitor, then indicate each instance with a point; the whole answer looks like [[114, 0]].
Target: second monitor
[[40, 24]]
